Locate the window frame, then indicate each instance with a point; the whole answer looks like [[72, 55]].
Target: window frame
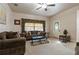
[[54, 29], [23, 21]]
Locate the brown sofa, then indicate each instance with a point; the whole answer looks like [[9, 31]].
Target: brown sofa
[[11, 44], [28, 35]]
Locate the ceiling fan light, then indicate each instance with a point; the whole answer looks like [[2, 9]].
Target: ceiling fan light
[[45, 9]]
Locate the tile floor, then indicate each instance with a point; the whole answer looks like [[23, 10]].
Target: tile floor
[[54, 47]]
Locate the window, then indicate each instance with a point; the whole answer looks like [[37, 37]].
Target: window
[[29, 26], [33, 27], [56, 27]]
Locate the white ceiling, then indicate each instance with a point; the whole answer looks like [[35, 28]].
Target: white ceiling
[[30, 8]]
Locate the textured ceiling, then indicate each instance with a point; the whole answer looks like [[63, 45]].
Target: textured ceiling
[[30, 8]]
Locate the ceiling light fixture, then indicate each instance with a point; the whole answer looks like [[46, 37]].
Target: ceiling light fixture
[[45, 6]]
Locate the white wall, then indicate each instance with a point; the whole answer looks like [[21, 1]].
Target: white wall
[[27, 16], [7, 26], [77, 25], [67, 20]]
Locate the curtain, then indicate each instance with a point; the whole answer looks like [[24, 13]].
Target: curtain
[[31, 21]]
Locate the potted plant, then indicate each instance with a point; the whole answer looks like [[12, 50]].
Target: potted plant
[[65, 32]]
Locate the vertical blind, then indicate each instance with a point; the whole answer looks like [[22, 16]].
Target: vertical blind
[[33, 27]]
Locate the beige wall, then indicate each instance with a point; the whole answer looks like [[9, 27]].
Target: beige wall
[[67, 19], [27, 16], [7, 26]]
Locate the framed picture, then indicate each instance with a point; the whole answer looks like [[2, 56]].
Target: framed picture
[[2, 15], [17, 22]]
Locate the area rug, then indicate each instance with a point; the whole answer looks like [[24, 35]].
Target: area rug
[[39, 43]]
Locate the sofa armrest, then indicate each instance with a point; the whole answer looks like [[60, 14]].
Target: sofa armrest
[[21, 38], [47, 34], [11, 43], [22, 35]]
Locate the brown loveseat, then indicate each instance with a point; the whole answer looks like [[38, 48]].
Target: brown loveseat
[[11, 44]]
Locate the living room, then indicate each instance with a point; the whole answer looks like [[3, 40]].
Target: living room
[[51, 21]]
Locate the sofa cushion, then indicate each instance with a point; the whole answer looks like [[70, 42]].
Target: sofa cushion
[[10, 35], [29, 33], [2, 36], [42, 33], [39, 33], [34, 32]]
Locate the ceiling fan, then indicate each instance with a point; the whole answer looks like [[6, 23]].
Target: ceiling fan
[[44, 5]]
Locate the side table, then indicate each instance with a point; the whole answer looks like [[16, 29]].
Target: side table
[[64, 38]]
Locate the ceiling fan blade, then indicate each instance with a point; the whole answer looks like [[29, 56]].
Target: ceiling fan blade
[[40, 3], [38, 8], [51, 5]]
